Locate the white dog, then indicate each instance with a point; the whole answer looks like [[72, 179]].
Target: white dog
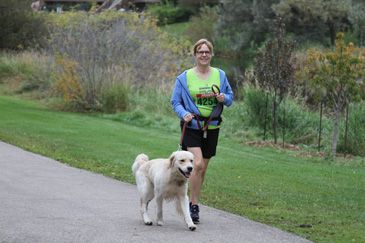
[[164, 179]]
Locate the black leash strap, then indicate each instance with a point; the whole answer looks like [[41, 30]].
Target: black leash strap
[[182, 135]]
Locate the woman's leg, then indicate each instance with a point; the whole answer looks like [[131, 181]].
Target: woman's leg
[[198, 174]]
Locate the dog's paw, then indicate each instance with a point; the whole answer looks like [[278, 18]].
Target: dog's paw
[[148, 223], [159, 222], [192, 227]]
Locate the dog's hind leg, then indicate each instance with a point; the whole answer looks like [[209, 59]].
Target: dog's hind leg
[[159, 205], [145, 189], [144, 207]]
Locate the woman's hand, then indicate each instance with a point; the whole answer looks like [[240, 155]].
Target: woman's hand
[[188, 117], [220, 97]]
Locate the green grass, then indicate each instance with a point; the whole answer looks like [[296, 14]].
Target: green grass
[[320, 200], [176, 30]]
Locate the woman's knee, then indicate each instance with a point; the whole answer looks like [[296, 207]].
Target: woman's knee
[[199, 166]]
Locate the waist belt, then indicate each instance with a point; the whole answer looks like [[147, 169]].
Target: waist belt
[[202, 123]]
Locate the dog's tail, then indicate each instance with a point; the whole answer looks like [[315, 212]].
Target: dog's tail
[[140, 159]]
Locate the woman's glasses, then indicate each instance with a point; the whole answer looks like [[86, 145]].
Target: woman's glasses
[[203, 52]]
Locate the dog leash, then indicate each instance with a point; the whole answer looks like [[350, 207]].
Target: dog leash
[[182, 136], [216, 91]]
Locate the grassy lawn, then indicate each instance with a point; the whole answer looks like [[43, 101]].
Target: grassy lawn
[[320, 200], [177, 30]]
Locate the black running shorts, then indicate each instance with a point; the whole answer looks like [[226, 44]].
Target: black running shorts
[[195, 138]]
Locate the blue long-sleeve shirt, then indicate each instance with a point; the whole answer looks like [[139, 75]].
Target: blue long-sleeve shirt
[[183, 103]]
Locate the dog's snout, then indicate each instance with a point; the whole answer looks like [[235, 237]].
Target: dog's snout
[[190, 168]]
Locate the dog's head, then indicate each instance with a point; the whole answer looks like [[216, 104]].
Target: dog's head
[[183, 161]]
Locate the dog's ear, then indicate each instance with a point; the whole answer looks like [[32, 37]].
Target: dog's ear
[[172, 160]]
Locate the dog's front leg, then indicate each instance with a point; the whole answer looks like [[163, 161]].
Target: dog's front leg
[[184, 202], [159, 204]]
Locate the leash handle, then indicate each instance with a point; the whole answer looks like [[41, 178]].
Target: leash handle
[[215, 89]]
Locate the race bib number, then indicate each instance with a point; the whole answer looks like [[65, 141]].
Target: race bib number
[[206, 99]]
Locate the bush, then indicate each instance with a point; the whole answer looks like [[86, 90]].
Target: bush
[[113, 49], [356, 131], [68, 85], [300, 125], [169, 14], [115, 99], [20, 27]]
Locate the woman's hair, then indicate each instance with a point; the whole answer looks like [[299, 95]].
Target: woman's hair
[[201, 42]]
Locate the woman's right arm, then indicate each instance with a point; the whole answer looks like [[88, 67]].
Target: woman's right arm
[[177, 100]]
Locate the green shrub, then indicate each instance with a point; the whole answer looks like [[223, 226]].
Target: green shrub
[[115, 99], [298, 123], [155, 100], [356, 131], [169, 14]]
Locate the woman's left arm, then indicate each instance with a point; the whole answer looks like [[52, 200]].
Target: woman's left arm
[[227, 91]]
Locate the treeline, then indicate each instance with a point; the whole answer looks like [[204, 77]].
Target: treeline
[[239, 27], [112, 61]]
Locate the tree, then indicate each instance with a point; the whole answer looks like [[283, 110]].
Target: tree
[[20, 27], [315, 19], [274, 69], [202, 25], [245, 24], [340, 74], [357, 18]]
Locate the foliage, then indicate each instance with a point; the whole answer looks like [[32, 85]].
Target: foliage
[[315, 18], [197, 4], [20, 27], [203, 25], [27, 71], [244, 25], [357, 19], [274, 69], [116, 99], [68, 84], [339, 74], [356, 139], [168, 14], [111, 49], [299, 123]]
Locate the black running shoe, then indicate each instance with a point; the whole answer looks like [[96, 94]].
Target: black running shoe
[[194, 212]]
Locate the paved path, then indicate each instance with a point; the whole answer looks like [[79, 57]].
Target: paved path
[[42, 200]]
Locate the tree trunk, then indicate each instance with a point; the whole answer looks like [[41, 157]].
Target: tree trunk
[[335, 132], [320, 126], [274, 119], [346, 126], [284, 125], [266, 104], [332, 32]]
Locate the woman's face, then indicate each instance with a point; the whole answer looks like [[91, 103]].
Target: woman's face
[[203, 56]]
